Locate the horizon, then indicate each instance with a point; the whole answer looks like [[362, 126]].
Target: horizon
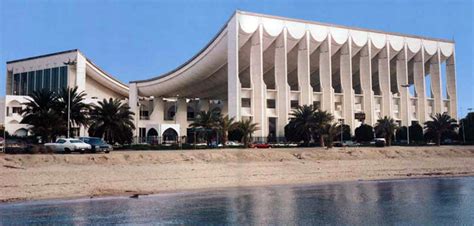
[[145, 57]]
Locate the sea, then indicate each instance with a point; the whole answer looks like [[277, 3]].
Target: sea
[[433, 201]]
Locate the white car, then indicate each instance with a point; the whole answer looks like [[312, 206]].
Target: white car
[[68, 145]]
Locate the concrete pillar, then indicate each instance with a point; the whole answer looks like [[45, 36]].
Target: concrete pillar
[[181, 116], [402, 79], [384, 80], [346, 82], [258, 101], [435, 69], [157, 116], [304, 84], [419, 80], [281, 84], [233, 82], [203, 105], [80, 73], [327, 100], [451, 85], [133, 104], [366, 83]]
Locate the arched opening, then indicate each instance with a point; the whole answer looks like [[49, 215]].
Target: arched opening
[[21, 132], [171, 112], [191, 114], [152, 136], [170, 136]]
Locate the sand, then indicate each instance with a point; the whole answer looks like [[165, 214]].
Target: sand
[[33, 177]]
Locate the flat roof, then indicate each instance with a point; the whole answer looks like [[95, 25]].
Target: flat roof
[[41, 56]]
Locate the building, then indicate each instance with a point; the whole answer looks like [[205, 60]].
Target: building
[[261, 67], [54, 72]]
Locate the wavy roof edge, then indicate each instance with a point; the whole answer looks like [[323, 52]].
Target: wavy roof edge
[[286, 19]]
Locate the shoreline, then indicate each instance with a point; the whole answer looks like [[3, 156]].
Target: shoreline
[[202, 190], [121, 174]]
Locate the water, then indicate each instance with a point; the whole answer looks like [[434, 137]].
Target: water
[[448, 201]]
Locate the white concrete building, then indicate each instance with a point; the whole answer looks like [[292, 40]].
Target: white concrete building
[[53, 72], [262, 66]]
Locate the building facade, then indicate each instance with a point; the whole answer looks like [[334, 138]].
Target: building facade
[[261, 67], [54, 72]]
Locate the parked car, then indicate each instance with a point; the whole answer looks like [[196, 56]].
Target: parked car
[[68, 145], [260, 145], [97, 144], [380, 142]]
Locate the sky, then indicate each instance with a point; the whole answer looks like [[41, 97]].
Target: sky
[[140, 39]]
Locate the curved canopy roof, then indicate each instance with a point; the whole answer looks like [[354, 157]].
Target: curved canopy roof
[[205, 74]]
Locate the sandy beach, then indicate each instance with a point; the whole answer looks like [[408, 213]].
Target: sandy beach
[[32, 177]]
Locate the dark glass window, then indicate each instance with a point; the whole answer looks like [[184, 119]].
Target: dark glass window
[[31, 82], [63, 77], [55, 79], [271, 103], [39, 80], [23, 83], [47, 79], [16, 84]]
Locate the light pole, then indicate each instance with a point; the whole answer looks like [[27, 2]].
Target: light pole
[[408, 113]]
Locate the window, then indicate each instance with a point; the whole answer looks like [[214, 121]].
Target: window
[[63, 77], [246, 103], [55, 79], [61, 141], [47, 79], [16, 84], [271, 103], [317, 104], [144, 115], [39, 80], [16, 110], [23, 82], [76, 141], [294, 104], [31, 82]]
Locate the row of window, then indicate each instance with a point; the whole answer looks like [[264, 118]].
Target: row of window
[[51, 79]]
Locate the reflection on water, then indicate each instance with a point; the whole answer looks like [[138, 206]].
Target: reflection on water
[[412, 202]]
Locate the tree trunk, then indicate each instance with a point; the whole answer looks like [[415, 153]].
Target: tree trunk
[[321, 140], [224, 138], [389, 140], [438, 139]]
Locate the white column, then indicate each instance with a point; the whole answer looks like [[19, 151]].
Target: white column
[[281, 83], [306, 91], [181, 116], [346, 82], [419, 80], [366, 83], [402, 79], [203, 105], [157, 116], [384, 79], [80, 73], [133, 104], [233, 83], [327, 103], [258, 101], [451, 85], [435, 68]]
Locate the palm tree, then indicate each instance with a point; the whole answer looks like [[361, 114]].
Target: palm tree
[[42, 112], [386, 127], [439, 124], [303, 122], [322, 119], [112, 120], [79, 113], [247, 128], [332, 130], [207, 120], [226, 124]]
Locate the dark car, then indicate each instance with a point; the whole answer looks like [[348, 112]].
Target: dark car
[[97, 144]]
